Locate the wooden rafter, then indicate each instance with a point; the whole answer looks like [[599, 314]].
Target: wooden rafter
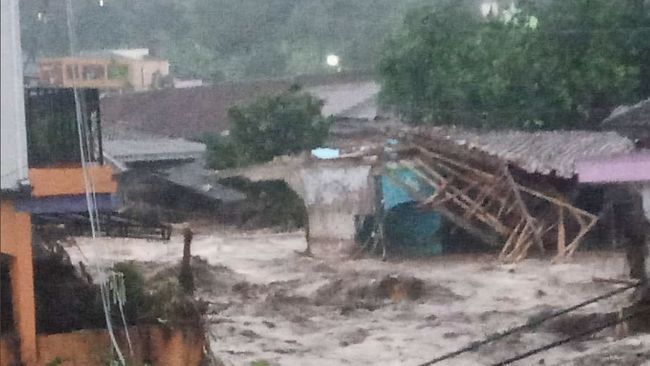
[[492, 198]]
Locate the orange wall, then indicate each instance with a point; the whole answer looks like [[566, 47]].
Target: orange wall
[[16, 241], [161, 347], [70, 180]]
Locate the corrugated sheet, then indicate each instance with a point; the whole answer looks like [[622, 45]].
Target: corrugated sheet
[[13, 165], [632, 167], [195, 177], [637, 115], [153, 149], [352, 100], [536, 152]]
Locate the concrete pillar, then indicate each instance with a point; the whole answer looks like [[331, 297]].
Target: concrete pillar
[[22, 283], [16, 241]]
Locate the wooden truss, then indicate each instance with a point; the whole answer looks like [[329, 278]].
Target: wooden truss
[[495, 208]]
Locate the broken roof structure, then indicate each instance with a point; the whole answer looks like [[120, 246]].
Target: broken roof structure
[[510, 189], [502, 186], [175, 160]]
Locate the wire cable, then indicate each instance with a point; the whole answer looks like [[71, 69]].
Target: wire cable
[[571, 338], [90, 203], [531, 324]]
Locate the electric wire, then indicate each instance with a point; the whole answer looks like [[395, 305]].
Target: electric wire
[[88, 185], [531, 324], [560, 342]]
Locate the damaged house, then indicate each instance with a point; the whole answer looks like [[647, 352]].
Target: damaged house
[[511, 190], [162, 178]]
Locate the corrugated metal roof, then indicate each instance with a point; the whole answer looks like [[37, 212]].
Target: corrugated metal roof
[[637, 115], [631, 167], [153, 149], [536, 152], [194, 176]]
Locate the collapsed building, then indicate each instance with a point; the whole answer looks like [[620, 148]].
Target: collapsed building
[[511, 190]]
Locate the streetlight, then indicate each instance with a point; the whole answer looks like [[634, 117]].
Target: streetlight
[[332, 60]]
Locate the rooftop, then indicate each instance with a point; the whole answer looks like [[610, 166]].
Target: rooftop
[[196, 177], [154, 149], [630, 167], [637, 115], [193, 112], [545, 152]]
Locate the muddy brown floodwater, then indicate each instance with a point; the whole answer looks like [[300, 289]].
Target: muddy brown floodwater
[[269, 302]]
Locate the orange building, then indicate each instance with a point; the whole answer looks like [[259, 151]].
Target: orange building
[[41, 172], [55, 184]]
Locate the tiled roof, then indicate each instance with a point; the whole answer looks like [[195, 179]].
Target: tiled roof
[[193, 112]]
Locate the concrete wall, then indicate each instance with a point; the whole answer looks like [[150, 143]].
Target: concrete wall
[[334, 195], [334, 191], [152, 344], [142, 72], [12, 108], [64, 181]]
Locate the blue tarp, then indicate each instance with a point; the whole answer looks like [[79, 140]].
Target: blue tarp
[[325, 153], [393, 194], [409, 229]]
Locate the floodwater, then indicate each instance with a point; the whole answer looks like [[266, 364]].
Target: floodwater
[[270, 302]]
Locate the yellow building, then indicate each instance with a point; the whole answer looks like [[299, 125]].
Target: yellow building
[[129, 69]]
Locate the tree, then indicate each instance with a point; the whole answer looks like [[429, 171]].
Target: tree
[[539, 65], [270, 126]]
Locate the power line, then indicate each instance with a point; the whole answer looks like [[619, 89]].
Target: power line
[[531, 324], [573, 337]]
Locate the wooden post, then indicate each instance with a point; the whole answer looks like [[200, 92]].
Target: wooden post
[[561, 233], [186, 278]]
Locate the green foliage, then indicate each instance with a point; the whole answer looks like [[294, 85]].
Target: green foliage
[[554, 64], [55, 362], [260, 363], [136, 298], [269, 126], [222, 153]]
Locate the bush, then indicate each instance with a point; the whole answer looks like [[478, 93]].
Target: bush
[[270, 126]]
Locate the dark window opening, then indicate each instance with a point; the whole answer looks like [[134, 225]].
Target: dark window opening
[[6, 303], [52, 133]]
